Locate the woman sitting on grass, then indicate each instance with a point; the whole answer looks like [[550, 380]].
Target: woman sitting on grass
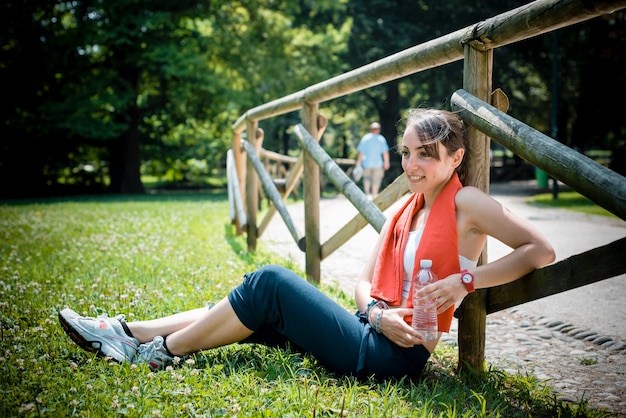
[[441, 221]]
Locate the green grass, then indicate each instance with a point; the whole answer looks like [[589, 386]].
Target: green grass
[[570, 200], [148, 256]]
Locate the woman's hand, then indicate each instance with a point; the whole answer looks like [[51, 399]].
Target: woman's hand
[[446, 292], [393, 326]]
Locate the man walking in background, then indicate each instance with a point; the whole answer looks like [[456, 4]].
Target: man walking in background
[[374, 157]]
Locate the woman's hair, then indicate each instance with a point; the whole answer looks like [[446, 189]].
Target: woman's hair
[[433, 126]]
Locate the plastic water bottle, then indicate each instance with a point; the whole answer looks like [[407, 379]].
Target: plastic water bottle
[[425, 314]]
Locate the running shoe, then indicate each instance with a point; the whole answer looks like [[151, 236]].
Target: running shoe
[[102, 335], [154, 354]]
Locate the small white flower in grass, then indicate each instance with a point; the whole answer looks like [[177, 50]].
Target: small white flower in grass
[[176, 360], [73, 402], [73, 389], [190, 362], [28, 407], [135, 389], [156, 413]]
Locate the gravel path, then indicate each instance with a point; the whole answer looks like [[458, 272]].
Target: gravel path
[[575, 340]]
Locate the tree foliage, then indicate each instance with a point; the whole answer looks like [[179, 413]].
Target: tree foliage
[[97, 93]]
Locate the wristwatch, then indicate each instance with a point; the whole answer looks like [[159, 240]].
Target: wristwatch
[[467, 279]]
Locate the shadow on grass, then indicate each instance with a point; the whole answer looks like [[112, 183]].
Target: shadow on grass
[[206, 195], [438, 392]]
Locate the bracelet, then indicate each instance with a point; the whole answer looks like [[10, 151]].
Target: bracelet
[[382, 305], [378, 318]]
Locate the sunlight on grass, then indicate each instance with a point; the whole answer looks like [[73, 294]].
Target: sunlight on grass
[[149, 256], [570, 200]]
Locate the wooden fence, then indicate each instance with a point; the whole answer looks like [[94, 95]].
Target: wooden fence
[[484, 111]]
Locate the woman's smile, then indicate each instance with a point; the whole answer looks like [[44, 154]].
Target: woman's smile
[[414, 178]]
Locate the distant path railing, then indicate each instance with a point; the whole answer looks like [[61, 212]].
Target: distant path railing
[[474, 44]]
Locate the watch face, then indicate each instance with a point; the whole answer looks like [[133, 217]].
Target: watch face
[[467, 278]]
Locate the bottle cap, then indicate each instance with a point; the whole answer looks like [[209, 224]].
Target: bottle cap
[[426, 263]]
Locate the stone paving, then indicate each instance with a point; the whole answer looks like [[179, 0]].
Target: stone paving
[[577, 364]]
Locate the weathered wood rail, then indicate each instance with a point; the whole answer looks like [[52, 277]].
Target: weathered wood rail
[[474, 45]]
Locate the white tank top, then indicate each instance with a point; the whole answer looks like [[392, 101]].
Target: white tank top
[[409, 260]]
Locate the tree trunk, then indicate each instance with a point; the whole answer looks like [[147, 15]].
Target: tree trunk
[[126, 162]]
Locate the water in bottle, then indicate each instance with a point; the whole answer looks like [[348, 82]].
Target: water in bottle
[[425, 314]]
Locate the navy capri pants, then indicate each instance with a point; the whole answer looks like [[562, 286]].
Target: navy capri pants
[[280, 307]]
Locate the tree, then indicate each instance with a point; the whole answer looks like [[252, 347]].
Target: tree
[[382, 28], [118, 79]]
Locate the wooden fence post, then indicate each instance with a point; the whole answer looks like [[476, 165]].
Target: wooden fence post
[[311, 198], [252, 185], [239, 157], [477, 71]]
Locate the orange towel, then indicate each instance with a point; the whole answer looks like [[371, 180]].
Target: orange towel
[[439, 243]]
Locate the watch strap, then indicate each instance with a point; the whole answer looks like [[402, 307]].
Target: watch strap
[[468, 285]]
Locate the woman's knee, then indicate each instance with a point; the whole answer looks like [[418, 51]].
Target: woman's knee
[[272, 274]]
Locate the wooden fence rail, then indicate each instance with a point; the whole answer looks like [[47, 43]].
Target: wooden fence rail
[[524, 22], [600, 184], [604, 186], [474, 44]]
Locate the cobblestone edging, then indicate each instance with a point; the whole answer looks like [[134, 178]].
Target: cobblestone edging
[[578, 364]]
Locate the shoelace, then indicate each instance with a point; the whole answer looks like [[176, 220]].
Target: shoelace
[[145, 352], [119, 317]]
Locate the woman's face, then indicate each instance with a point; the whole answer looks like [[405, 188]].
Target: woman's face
[[425, 173]]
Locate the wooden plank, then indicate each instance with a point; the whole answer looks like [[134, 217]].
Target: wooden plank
[[272, 192], [337, 176], [312, 120], [278, 157], [252, 193], [579, 270], [477, 73], [239, 157], [524, 22], [237, 207], [383, 201]]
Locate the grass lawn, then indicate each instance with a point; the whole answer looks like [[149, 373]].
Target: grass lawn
[[153, 255], [570, 200]]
